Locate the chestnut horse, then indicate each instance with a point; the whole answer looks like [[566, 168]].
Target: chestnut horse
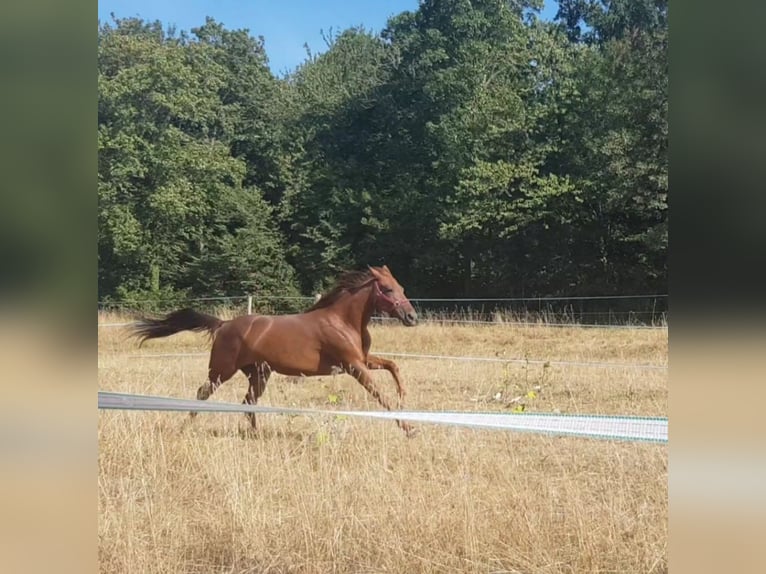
[[331, 335]]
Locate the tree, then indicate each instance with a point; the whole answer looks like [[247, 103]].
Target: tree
[[616, 150], [475, 149], [166, 171]]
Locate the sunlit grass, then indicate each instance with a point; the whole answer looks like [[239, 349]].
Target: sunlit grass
[[334, 494]]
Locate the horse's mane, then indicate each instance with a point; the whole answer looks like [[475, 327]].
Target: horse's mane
[[348, 281]]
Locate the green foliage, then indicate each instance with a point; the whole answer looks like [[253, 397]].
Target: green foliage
[[173, 175], [475, 149]]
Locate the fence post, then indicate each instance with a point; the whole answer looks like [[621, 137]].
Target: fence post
[[249, 304]]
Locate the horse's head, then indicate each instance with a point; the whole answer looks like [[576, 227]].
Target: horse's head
[[389, 297]]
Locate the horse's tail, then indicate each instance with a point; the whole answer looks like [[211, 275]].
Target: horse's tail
[[175, 322]]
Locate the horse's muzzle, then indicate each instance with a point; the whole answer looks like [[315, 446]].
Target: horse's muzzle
[[410, 318]]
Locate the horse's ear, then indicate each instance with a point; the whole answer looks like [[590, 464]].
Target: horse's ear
[[386, 268], [375, 272]]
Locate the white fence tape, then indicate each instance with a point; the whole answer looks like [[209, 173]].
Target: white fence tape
[[644, 429], [592, 364], [586, 364]]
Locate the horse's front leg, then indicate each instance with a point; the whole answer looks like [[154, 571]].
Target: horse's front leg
[[374, 362], [359, 371]]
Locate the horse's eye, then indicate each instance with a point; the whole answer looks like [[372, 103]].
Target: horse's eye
[[387, 290]]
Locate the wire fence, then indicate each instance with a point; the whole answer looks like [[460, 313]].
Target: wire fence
[[618, 311]]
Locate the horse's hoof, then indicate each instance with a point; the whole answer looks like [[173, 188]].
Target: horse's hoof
[[411, 432]]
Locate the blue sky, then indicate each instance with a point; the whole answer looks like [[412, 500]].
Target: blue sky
[[285, 25]]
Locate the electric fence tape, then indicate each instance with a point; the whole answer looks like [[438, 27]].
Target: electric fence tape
[[544, 362], [628, 428]]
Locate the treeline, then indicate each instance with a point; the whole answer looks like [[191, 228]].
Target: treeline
[[475, 149]]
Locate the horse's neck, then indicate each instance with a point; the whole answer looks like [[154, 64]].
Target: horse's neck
[[356, 309]]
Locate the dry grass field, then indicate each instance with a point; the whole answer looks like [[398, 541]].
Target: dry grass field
[[331, 494]]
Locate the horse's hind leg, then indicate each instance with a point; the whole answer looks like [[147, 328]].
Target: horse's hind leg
[[258, 376], [221, 369], [215, 380]]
